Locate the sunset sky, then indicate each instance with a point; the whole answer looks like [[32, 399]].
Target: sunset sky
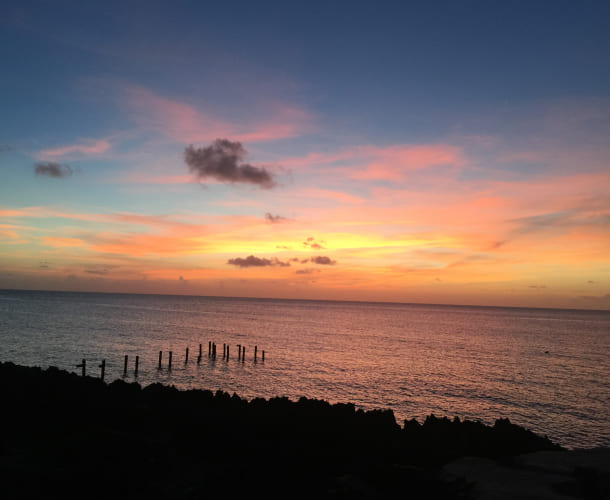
[[439, 152]]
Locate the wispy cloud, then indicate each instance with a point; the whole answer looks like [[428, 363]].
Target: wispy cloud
[[186, 124], [391, 162], [86, 147], [53, 169], [59, 242], [394, 162], [223, 161]]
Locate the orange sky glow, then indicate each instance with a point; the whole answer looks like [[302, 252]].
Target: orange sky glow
[[463, 169]]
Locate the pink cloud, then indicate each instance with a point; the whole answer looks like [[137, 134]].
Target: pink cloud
[[184, 123], [393, 162], [175, 119], [327, 194], [7, 233], [383, 163], [321, 158], [88, 147], [59, 242], [141, 178]]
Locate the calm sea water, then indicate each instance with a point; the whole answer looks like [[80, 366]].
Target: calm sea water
[[547, 370]]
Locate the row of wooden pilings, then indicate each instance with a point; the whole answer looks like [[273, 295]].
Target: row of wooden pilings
[[241, 356]]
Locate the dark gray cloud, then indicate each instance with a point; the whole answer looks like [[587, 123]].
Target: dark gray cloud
[[52, 169], [252, 261], [222, 161], [274, 219], [323, 260]]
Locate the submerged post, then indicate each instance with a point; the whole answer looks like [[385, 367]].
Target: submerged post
[[135, 373], [214, 350], [83, 365], [103, 367], [160, 358], [227, 358], [186, 357], [243, 354], [224, 350], [125, 365], [238, 352], [209, 348], [255, 350], [263, 357], [169, 366], [199, 357]]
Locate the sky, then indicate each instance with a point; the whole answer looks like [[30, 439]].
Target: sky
[[422, 152]]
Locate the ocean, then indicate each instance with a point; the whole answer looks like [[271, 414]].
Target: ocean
[[544, 369]]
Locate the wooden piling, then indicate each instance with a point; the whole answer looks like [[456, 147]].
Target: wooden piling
[[169, 366], [199, 357], [135, 372], [238, 352], [186, 356], [125, 365], [227, 358], [160, 358], [243, 354], [263, 358], [213, 350], [224, 350], [209, 348], [255, 351], [103, 367], [83, 365]]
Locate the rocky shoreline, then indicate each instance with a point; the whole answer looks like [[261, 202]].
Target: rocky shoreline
[[69, 436]]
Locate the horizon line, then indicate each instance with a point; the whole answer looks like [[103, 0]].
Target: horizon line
[[309, 300]]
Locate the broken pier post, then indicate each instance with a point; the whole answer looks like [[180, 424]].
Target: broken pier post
[[83, 365]]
